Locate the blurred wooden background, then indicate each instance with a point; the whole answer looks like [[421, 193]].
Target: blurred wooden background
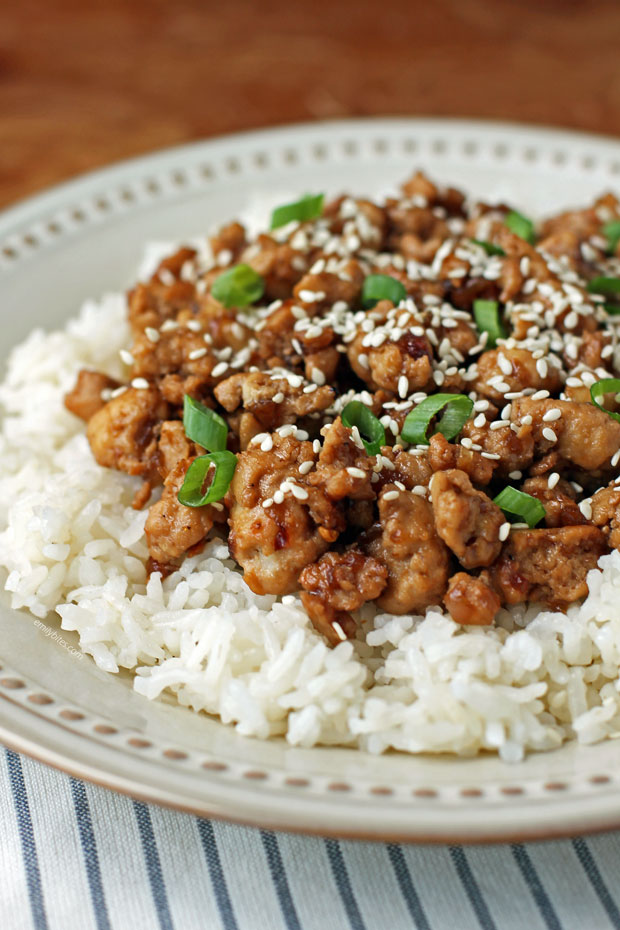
[[82, 84]]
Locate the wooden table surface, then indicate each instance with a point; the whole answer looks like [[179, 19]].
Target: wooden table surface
[[82, 84]]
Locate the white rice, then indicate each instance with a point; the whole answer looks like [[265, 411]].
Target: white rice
[[72, 544]]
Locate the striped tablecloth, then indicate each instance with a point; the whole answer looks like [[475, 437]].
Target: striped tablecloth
[[76, 856]]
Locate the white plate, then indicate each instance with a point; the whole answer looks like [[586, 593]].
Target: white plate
[[84, 238]]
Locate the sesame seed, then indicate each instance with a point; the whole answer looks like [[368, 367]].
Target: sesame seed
[[540, 395], [267, 444], [118, 391], [586, 509], [515, 475], [549, 434], [504, 531], [542, 367], [420, 490], [400, 486], [278, 497], [194, 325], [197, 353], [300, 493], [140, 383], [305, 467], [615, 459], [403, 386], [390, 495], [340, 633], [317, 376], [267, 502], [356, 472], [168, 326], [152, 334], [504, 364], [316, 446], [219, 369], [278, 398], [552, 480], [126, 357], [310, 297], [554, 414]]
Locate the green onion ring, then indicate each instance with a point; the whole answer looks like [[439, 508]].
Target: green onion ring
[[382, 287], [370, 429], [308, 208], [191, 493], [521, 226], [611, 231], [203, 425], [603, 285], [519, 504], [489, 247], [458, 410], [606, 386], [488, 320], [238, 286]]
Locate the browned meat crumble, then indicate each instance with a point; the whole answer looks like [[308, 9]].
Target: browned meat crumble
[[413, 525]]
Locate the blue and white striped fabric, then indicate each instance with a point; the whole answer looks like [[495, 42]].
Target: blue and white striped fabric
[[76, 856]]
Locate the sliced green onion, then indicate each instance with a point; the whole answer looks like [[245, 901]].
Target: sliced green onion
[[612, 309], [518, 504], [382, 287], [192, 493], [612, 232], [489, 247], [238, 287], [606, 386], [203, 425], [520, 226], [457, 412], [308, 208], [371, 431], [488, 320], [604, 285]]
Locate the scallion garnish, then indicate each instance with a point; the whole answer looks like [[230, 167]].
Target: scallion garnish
[[611, 231], [371, 431], [382, 287], [602, 285], [612, 309], [520, 226], [518, 504], [238, 287], [203, 425], [489, 247], [488, 320], [457, 412], [308, 208], [193, 494], [606, 386]]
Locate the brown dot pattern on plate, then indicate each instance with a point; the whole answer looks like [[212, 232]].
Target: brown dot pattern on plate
[[105, 729], [40, 699]]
